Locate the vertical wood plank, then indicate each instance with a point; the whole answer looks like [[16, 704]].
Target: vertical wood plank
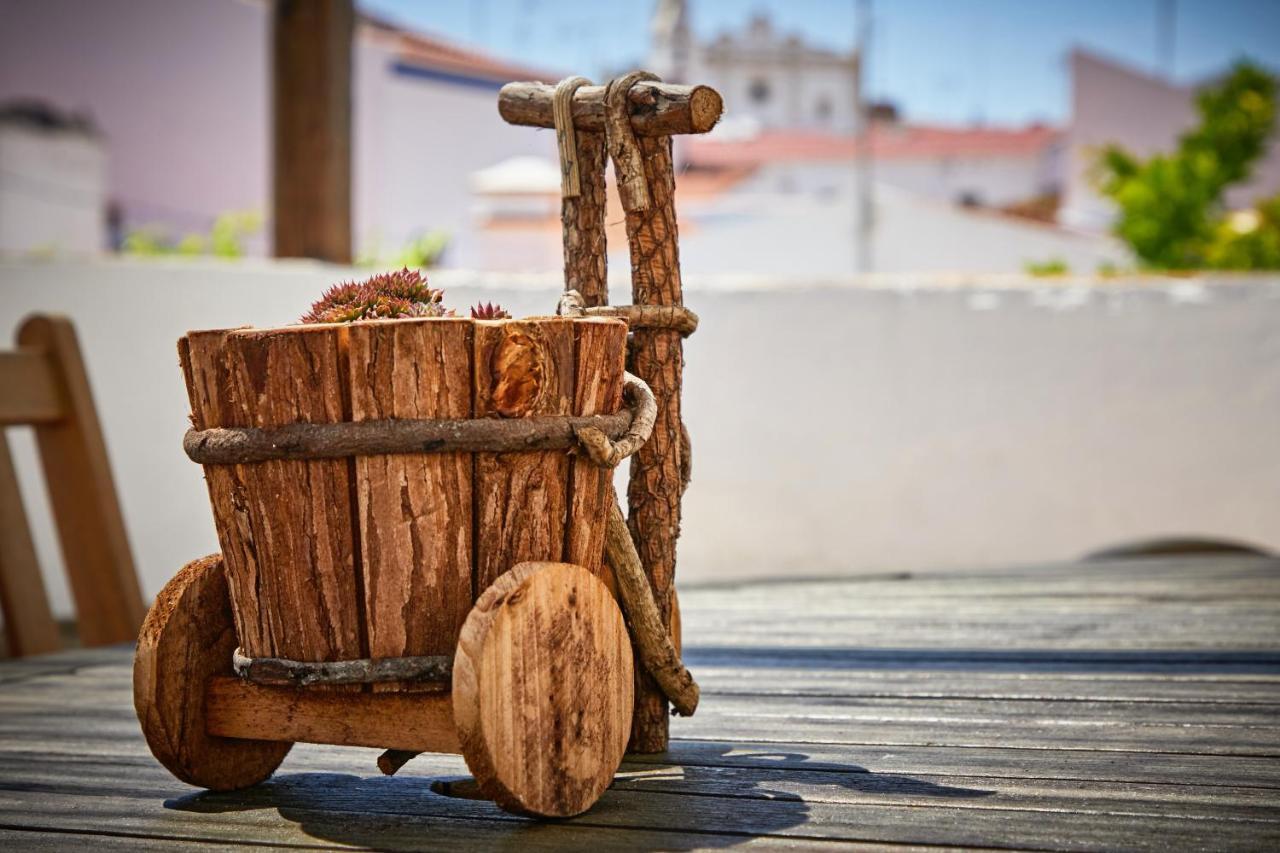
[[600, 361], [311, 117], [654, 494], [204, 360], [301, 511], [82, 491], [29, 628], [521, 368], [414, 509], [285, 526]]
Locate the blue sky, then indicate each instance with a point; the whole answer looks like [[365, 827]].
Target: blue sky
[[998, 61]]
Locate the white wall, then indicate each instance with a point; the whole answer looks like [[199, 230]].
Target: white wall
[[52, 190], [916, 422], [178, 89]]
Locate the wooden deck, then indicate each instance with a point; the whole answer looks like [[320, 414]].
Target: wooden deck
[[1124, 705]]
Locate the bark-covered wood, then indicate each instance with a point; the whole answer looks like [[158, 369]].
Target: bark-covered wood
[[335, 441], [675, 317], [542, 689], [583, 226], [657, 109], [658, 652], [187, 638], [415, 509], [430, 670], [657, 357], [286, 527], [419, 722], [597, 390], [521, 368]]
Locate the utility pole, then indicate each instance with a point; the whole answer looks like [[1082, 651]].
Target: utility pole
[[864, 208]]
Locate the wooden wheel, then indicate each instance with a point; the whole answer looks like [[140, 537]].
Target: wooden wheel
[[542, 689], [188, 637]]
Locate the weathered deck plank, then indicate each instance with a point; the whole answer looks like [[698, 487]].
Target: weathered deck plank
[[1124, 705]]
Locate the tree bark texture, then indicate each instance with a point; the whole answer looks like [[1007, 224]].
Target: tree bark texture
[[415, 509], [657, 357], [582, 218], [657, 109]]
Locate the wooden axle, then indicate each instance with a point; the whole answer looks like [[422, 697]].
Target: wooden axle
[[419, 722], [657, 109]]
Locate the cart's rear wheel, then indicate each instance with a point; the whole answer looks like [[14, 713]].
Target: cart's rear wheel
[[542, 689], [188, 636]]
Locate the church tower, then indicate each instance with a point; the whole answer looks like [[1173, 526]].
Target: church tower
[[671, 46]]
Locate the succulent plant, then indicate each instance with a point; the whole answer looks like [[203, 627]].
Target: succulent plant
[[404, 293], [489, 311]]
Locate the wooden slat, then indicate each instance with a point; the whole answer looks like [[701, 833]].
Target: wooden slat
[[29, 628], [420, 722], [28, 388], [77, 471], [522, 368], [966, 743], [414, 509], [370, 812]]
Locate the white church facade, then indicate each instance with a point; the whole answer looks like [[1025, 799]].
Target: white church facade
[[769, 79]]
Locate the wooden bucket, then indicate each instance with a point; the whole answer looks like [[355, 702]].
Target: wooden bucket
[[383, 556]]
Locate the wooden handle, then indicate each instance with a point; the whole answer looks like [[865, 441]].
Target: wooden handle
[[657, 109]]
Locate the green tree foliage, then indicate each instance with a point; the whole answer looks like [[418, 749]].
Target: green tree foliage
[[224, 240], [1171, 209]]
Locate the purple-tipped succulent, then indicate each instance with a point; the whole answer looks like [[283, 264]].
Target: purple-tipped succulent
[[394, 294], [489, 311]]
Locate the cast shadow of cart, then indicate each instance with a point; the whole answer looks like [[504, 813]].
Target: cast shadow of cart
[[703, 795]]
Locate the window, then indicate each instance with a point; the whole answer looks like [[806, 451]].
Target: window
[[822, 110], [759, 91]]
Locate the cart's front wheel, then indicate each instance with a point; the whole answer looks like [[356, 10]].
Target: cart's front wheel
[[188, 637], [542, 689]]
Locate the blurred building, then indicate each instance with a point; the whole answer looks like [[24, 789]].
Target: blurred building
[[180, 91], [1113, 103], [769, 79], [52, 181]]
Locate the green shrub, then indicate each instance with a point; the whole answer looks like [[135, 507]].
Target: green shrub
[[1170, 205], [1053, 266]]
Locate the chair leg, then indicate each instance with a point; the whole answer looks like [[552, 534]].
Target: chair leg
[[28, 622]]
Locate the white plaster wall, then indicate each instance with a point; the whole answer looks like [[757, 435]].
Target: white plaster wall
[[909, 422], [427, 139], [996, 181]]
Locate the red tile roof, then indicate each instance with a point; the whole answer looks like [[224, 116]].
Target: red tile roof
[[902, 142]]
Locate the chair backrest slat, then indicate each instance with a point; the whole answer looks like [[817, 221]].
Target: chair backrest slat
[[30, 394], [44, 384]]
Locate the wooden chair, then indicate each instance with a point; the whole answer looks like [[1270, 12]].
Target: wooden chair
[[43, 384]]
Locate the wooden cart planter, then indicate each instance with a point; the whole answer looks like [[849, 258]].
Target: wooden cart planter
[[458, 592], [414, 514]]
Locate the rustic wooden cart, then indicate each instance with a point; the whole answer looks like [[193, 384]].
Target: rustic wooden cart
[[413, 518]]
